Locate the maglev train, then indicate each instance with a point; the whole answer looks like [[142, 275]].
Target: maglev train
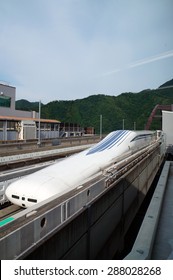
[[72, 172]]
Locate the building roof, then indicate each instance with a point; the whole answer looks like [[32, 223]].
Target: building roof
[[6, 84], [13, 118]]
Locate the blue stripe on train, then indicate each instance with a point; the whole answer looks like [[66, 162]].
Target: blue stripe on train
[[115, 141], [109, 141], [105, 143]]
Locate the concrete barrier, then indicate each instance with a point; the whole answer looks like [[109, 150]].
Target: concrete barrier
[[143, 245]]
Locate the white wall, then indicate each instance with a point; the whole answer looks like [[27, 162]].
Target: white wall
[[167, 126]]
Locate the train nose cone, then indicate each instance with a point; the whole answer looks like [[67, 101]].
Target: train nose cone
[[8, 192], [12, 194]]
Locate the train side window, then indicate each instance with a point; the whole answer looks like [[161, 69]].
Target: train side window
[[142, 136], [15, 196], [32, 200]]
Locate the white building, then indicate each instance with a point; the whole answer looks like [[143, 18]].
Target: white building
[[167, 126]]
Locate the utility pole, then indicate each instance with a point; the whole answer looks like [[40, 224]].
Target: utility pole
[[39, 115], [134, 125], [123, 124], [100, 126]]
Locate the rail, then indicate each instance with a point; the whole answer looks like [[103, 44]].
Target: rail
[[7, 159], [27, 146]]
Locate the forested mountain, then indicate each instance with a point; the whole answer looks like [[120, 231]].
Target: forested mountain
[[133, 108], [167, 84]]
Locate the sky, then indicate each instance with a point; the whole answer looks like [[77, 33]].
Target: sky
[[71, 49]]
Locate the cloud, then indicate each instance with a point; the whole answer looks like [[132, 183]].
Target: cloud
[[141, 62], [151, 59], [57, 49]]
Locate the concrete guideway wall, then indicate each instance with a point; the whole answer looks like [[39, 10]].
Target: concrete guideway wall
[[142, 248]]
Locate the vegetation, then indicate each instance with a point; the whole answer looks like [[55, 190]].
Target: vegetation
[[131, 108]]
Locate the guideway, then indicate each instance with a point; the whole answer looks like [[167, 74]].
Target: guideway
[[19, 160], [105, 204], [155, 238]]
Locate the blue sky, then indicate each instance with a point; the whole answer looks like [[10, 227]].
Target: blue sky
[[70, 49]]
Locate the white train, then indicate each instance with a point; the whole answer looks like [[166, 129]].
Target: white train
[[75, 170]]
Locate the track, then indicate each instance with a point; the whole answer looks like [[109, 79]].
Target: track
[[9, 211], [25, 170], [20, 160], [8, 148]]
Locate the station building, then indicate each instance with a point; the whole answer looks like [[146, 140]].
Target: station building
[[22, 125]]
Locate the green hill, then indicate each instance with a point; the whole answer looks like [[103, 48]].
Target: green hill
[[25, 105], [131, 108], [167, 84]]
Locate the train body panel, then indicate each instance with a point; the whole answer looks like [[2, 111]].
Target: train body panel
[[73, 171]]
